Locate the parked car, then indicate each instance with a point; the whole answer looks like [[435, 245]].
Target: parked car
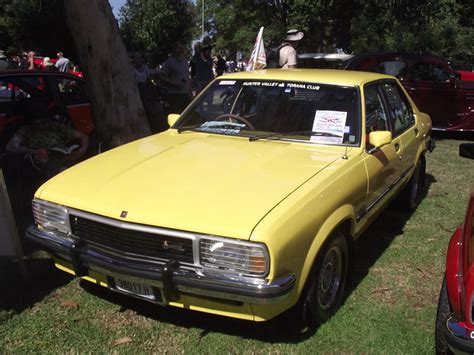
[[430, 82], [465, 75], [64, 94], [250, 203], [323, 60], [454, 320]]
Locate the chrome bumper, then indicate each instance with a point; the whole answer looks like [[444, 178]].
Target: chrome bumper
[[171, 278], [458, 337]]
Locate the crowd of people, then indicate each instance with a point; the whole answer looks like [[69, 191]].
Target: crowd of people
[[30, 61]]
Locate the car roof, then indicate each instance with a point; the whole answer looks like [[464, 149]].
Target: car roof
[[10, 73], [326, 56], [393, 56], [320, 76]]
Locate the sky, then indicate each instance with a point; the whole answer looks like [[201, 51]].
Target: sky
[[116, 5]]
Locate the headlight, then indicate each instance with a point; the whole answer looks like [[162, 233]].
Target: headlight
[[51, 216], [229, 256]]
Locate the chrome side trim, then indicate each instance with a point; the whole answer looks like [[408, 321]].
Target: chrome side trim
[[388, 189]]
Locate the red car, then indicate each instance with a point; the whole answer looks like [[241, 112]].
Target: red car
[[63, 93], [455, 316], [431, 83]]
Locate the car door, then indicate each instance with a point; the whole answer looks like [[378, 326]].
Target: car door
[[434, 91], [382, 164], [402, 123], [73, 97]]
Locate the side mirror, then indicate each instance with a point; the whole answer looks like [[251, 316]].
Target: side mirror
[[466, 150], [172, 118], [380, 138], [457, 75]]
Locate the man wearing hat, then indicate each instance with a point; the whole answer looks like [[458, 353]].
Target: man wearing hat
[[288, 55], [4, 65]]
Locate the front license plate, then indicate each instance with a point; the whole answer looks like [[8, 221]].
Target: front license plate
[[135, 289]]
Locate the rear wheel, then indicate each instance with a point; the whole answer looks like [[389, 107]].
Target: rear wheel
[[327, 282], [411, 194]]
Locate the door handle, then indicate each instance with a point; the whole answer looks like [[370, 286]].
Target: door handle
[[412, 89], [397, 147]]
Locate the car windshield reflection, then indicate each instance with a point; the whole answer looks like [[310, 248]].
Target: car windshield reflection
[[315, 113]]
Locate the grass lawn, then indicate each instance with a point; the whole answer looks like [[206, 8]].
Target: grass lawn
[[390, 308]]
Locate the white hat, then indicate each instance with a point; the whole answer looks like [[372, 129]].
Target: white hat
[[294, 35], [47, 62]]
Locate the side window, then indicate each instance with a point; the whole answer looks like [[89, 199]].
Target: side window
[[401, 115], [375, 116], [395, 68], [430, 72], [72, 91]]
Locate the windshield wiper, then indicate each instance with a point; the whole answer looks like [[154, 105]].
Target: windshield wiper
[[188, 128], [281, 134]]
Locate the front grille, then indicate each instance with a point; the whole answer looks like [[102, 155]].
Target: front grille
[[131, 241]]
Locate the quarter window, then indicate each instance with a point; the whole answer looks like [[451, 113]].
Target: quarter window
[[395, 68]]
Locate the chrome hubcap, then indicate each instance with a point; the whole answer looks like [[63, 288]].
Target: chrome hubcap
[[329, 278]]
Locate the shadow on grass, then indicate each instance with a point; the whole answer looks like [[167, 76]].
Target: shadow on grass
[[284, 328], [18, 294], [378, 237], [458, 136]]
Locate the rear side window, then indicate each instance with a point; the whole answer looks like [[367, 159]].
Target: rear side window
[[72, 91], [400, 113], [430, 72]]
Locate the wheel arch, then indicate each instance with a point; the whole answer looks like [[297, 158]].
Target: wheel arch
[[343, 220]]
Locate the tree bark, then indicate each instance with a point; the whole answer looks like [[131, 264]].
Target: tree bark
[[116, 105]]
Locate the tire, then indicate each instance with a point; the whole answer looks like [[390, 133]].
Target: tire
[[327, 282], [411, 194], [443, 310]]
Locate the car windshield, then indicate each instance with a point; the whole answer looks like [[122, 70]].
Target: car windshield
[[315, 113]]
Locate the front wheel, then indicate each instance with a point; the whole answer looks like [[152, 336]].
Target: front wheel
[[441, 315], [327, 282]]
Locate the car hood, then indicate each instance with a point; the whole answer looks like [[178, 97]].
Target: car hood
[[197, 182]]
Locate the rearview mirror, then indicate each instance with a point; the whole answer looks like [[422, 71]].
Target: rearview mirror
[[380, 138], [172, 118], [466, 150]]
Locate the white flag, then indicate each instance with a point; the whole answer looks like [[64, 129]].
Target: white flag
[[258, 59]]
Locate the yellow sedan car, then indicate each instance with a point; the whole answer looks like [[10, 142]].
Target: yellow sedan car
[[250, 203]]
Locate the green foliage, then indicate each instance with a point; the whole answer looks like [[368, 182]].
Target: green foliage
[[442, 27], [34, 24], [154, 25]]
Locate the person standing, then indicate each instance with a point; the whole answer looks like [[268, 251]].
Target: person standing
[[24, 64], [31, 60], [148, 94], [4, 65], [62, 63], [221, 65], [288, 57], [204, 73], [174, 75]]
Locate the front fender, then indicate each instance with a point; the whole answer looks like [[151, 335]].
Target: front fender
[[339, 217]]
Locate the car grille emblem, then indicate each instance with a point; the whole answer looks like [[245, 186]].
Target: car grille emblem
[[123, 214]]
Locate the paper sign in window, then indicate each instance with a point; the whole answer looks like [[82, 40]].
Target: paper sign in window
[[329, 126]]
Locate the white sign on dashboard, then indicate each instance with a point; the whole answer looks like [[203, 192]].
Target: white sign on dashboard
[[330, 126]]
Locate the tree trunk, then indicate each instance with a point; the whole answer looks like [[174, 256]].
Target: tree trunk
[[118, 111]]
